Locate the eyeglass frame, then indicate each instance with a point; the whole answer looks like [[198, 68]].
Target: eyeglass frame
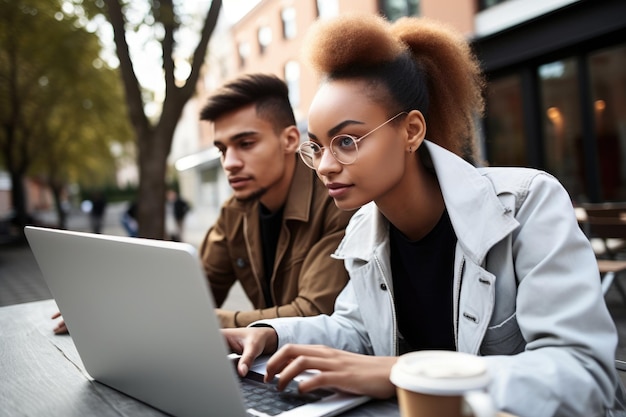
[[355, 139]]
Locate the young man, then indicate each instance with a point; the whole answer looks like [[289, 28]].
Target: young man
[[276, 233]]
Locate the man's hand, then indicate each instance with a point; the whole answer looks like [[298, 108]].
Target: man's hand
[[60, 328]]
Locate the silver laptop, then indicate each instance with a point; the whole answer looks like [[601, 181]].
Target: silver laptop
[[142, 318]]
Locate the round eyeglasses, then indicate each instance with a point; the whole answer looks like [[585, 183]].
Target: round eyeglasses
[[343, 148]]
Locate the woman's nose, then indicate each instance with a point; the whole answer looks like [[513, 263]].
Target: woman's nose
[[328, 164]]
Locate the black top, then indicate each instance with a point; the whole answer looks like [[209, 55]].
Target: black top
[[423, 274], [181, 207], [270, 230], [99, 205]]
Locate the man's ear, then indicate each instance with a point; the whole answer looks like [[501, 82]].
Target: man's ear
[[416, 130], [291, 139]]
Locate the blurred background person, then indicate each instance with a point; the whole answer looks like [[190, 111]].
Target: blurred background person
[[129, 219], [180, 208], [98, 209]]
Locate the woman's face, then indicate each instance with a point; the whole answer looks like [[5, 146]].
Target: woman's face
[[343, 107]]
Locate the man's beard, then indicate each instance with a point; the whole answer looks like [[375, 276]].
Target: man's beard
[[256, 195]]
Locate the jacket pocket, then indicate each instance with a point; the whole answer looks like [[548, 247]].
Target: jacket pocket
[[504, 338]]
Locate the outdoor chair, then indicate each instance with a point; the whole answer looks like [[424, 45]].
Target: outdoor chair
[[605, 225], [606, 222]]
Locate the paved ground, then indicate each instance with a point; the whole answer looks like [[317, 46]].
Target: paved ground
[[21, 280]]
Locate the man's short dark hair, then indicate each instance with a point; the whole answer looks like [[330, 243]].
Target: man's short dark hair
[[269, 93]]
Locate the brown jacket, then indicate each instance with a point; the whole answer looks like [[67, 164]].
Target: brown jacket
[[306, 280]]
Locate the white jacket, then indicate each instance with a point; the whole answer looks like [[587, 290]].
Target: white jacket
[[526, 292]]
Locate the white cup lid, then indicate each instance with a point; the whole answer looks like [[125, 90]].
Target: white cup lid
[[440, 372]]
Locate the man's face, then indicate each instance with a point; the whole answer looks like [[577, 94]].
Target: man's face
[[253, 156]]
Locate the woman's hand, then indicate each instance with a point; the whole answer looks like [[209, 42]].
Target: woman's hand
[[349, 372], [60, 327], [250, 342]]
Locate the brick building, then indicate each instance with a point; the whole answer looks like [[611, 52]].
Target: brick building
[[556, 98]]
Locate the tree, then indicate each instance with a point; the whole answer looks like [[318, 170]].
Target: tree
[[154, 139], [79, 134], [60, 106]]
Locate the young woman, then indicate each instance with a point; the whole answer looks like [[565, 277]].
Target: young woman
[[442, 254]]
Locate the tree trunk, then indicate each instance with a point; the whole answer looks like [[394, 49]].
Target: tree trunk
[[61, 214], [151, 199], [18, 196], [154, 142]]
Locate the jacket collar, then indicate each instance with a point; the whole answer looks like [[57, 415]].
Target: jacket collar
[[297, 206], [478, 217]]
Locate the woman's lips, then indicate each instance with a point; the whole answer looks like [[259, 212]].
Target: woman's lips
[[336, 190]]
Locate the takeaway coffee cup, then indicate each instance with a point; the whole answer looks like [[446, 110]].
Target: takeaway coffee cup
[[435, 383]]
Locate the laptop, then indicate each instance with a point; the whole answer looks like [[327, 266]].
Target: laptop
[[142, 318]]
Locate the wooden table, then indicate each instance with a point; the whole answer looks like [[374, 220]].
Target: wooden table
[[42, 374]]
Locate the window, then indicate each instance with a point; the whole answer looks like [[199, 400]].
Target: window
[[292, 78], [290, 29], [395, 9], [243, 50], [562, 129], [505, 144], [210, 195], [327, 8], [264, 36], [608, 84]]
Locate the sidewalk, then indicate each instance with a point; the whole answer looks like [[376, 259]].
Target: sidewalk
[[21, 280], [196, 223]]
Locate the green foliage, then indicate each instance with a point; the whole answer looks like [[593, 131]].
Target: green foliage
[[112, 193], [61, 107]]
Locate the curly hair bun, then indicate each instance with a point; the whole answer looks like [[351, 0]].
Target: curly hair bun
[[362, 39], [445, 54]]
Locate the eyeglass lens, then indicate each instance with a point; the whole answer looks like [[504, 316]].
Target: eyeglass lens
[[344, 148]]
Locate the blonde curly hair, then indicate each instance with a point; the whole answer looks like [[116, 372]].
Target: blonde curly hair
[[420, 64]]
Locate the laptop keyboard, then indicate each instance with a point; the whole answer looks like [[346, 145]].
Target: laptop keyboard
[[265, 398]]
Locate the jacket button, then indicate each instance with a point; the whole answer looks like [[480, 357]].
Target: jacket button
[[383, 286], [241, 262]]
